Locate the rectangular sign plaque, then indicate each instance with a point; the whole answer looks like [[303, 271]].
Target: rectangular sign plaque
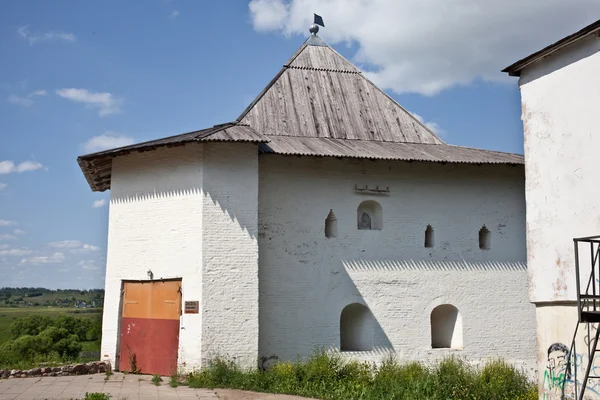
[[191, 307]]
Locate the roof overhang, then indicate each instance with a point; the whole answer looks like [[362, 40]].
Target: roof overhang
[[516, 68], [392, 151], [97, 167]]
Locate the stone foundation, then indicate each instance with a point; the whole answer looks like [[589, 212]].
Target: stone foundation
[[96, 367]]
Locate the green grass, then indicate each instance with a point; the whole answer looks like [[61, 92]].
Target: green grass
[[96, 396], [326, 376], [156, 380], [174, 381], [9, 314]]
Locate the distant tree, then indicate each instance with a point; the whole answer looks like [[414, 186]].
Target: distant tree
[[30, 325]]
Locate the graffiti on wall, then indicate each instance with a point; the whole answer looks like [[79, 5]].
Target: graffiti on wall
[[560, 372], [556, 372]]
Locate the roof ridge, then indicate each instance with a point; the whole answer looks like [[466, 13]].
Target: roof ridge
[[324, 69], [355, 140]]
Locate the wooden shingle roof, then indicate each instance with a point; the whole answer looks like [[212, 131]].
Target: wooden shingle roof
[[319, 104], [374, 150], [319, 93]]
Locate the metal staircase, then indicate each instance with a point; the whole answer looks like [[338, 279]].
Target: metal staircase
[[588, 308]]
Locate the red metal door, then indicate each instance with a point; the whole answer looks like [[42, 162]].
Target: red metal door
[[150, 327]]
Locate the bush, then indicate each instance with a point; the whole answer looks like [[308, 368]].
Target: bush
[[30, 325], [327, 376], [52, 343]]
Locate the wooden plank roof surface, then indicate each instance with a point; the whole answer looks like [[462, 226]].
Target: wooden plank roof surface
[[321, 105], [326, 147], [319, 93]]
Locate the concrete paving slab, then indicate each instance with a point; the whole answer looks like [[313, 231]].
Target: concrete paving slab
[[119, 386]]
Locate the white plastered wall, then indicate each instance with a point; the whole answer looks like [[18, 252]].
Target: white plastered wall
[[155, 223], [306, 279], [189, 212], [560, 96], [230, 253]]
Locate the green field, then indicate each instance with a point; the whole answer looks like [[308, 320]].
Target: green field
[[33, 297], [9, 314]]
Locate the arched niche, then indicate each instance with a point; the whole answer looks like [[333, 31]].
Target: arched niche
[[446, 327], [485, 238], [330, 225], [356, 328], [369, 215]]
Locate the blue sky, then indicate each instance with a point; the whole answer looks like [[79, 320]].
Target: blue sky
[[80, 76]]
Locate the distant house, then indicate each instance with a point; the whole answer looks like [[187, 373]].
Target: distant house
[[326, 215], [560, 96]]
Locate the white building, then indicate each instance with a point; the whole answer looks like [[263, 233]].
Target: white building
[[325, 216], [560, 94]]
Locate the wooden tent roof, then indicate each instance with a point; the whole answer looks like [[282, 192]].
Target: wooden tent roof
[[319, 104], [319, 93]]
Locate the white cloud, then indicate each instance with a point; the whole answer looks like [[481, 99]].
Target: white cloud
[[25, 101], [20, 101], [3, 186], [19, 232], [88, 264], [428, 46], [432, 126], [268, 15], [174, 14], [15, 252], [8, 167], [7, 237], [104, 102], [50, 259], [108, 140], [66, 244], [4, 222], [99, 203], [89, 247], [34, 38], [27, 166], [74, 246]]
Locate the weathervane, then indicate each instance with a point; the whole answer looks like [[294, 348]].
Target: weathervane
[[314, 28]]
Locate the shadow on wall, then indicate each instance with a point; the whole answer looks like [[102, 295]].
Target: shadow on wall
[[218, 199], [433, 265], [344, 322], [360, 331]]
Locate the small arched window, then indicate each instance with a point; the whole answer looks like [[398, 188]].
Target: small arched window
[[446, 328], [485, 239], [429, 236], [356, 328], [330, 225], [369, 215]]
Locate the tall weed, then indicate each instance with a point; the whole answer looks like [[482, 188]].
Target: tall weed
[[328, 376]]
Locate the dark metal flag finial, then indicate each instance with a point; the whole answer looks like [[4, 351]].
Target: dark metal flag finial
[[314, 28], [319, 20]]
